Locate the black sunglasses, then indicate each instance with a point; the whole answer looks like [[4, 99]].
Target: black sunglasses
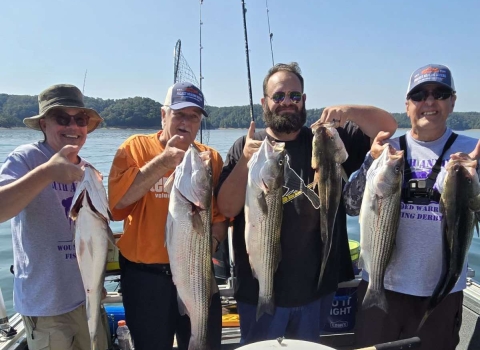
[[64, 119], [294, 96], [422, 95]]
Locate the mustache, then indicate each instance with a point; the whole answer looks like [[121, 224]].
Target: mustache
[[289, 122]]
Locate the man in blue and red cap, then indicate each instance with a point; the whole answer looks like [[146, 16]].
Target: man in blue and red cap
[[418, 258], [137, 195]]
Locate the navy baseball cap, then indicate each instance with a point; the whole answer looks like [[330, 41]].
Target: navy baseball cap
[[182, 95], [431, 73]]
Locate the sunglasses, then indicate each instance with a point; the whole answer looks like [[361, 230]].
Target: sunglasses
[[438, 94], [64, 119], [294, 96]]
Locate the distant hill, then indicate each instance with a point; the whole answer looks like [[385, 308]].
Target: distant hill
[[142, 112]]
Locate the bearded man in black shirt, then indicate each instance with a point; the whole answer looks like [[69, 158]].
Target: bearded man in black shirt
[[301, 308]]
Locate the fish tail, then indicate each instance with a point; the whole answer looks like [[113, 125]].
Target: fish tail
[[375, 298], [265, 305]]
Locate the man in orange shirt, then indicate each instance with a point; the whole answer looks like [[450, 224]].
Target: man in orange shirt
[[140, 168]]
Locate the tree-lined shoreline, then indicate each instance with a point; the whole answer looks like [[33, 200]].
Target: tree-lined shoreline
[[144, 113]]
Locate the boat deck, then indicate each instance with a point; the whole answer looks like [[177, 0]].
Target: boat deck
[[469, 333]]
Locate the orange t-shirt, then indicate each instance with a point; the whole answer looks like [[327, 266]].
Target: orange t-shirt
[[143, 239]]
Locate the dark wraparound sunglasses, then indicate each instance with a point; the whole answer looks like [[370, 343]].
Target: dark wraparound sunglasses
[[64, 119], [438, 94], [279, 96]]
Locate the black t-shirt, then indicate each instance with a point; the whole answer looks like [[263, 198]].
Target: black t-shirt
[[297, 275]]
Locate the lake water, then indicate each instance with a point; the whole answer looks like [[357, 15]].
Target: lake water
[[100, 149]]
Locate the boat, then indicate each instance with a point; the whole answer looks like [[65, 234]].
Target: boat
[[340, 335]]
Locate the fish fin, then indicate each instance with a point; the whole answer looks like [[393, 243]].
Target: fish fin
[[344, 174], [262, 203], [213, 286], [474, 204], [168, 184], [477, 220], [254, 273], [110, 236], [182, 309], [76, 204], [90, 247], [316, 180], [265, 305], [361, 263], [375, 298], [422, 322], [197, 222]]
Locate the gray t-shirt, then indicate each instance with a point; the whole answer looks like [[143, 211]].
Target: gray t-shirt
[[417, 259], [47, 278]]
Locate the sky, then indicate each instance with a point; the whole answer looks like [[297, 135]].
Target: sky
[[350, 51]]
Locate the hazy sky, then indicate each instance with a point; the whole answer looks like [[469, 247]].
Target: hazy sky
[[357, 51]]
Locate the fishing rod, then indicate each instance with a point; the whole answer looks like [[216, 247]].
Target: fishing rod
[[270, 34], [84, 80], [248, 60], [201, 76]]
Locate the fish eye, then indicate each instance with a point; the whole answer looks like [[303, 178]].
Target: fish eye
[[397, 169], [280, 162]]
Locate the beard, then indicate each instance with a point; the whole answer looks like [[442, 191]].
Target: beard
[[286, 122]]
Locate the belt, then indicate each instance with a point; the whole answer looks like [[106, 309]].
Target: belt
[[153, 268]]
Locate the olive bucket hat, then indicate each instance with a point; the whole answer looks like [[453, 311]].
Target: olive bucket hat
[[62, 96]]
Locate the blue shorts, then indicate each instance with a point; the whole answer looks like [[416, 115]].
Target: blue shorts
[[302, 323]]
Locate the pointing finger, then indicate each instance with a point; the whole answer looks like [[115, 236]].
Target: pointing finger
[[251, 130]]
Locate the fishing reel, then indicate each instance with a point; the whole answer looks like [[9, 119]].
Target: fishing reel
[[417, 192]]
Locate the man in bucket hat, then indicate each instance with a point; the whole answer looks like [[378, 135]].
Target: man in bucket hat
[[136, 191], [37, 184]]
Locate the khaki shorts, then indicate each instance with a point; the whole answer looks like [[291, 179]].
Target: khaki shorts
[[64, 332]]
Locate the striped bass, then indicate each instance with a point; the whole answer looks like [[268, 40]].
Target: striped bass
[[92, 232], [188, 239], [460, 207], [263, 218], [379, 219], [328, 153]]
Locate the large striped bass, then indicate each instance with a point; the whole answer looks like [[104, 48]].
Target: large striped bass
[[92, 232], [379, 219], [328, 154], [263, 218], [188, 238], [460, 207]]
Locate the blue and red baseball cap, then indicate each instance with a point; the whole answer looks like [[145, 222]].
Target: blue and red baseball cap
[[182, 95], [431, 73]]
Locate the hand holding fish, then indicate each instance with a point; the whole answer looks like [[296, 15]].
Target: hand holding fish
[[61, 168], [172, 155], [475, 154], [336, 115], [251, 145], [378, 144]]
